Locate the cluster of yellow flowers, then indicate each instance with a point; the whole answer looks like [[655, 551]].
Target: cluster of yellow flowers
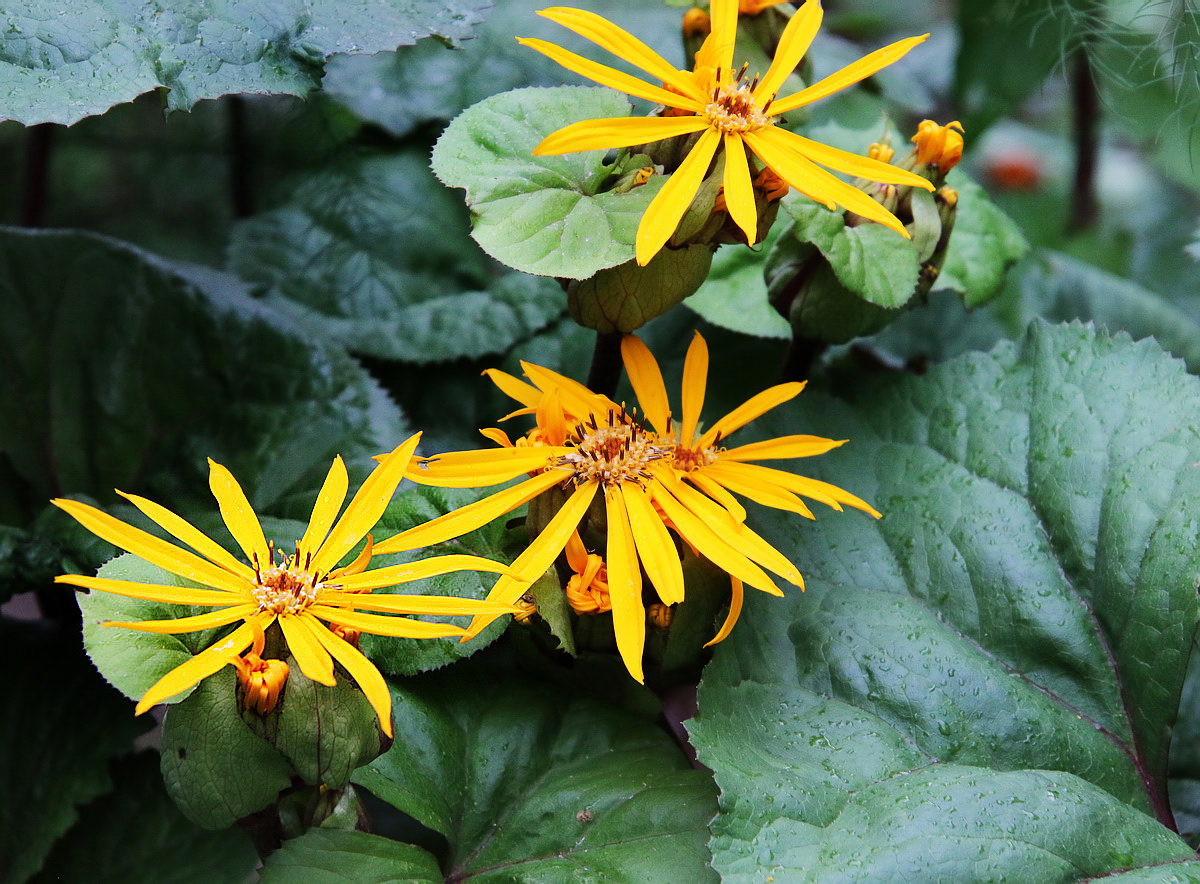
[[659, 479], [639, 480]]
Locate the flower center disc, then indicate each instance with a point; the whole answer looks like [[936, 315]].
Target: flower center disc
[[734, 110], [619, 451], [688, 459], [284, 590]]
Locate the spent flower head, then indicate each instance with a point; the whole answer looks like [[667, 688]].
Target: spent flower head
[[729, 109], [314, 602]]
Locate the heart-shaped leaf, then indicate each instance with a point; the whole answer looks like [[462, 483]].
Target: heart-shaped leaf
[[62, 63], [994, 665]]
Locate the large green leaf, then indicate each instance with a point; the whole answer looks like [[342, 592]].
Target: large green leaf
[[407, 656], [135, 835], [135, 370], [877, 264], [61, 727], [530, 784], [1026, 603], [542, 215], [431, 82], [334, 856], [376, 255], [63, 63]]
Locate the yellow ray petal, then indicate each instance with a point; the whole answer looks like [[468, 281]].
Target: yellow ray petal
[[793, 43], [611, 77], [155, 592], [828, 494], [695, 379], [611, 132], [363, 671], [397, 603], [621, 44], [814, 182], [202, 665], [848, 76], [538, 556], [325, 510], [625, 585], [739, 192], [718, 493], [735, 610], [655, 547], [396, 627], [646, 379], [520, 460], [189, 534], [471, 516], [663, 214], [495, 434], [313, 659], [421, 569], [551, 421], [153, 549], [724, 14], [527, 394], [211, 620], [360, 561], [750, 409], [366, 507], [577, 399], [238, 514], [762, 493], [782, 448], [736, 534], [852, 163], [710, 544]]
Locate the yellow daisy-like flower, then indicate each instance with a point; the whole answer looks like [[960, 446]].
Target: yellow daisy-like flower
[[719, 102], [301, 592], [654, 479]]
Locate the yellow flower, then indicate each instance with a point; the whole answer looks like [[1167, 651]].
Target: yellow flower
[[301, 592], [654, 479], [939, 145], [719, 102]]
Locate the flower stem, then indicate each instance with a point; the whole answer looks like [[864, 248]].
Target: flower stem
[[1085, 209], [265, 830], [606, 364], [38, 145]]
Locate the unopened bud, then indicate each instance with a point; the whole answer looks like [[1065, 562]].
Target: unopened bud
[[660, 615], [696, 23], [528, 608], [261, 681], [941, 146], [881, 152]]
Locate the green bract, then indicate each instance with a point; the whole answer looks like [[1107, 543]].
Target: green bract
[[544, 215], [996, 661], [215, 767], [65, 62]]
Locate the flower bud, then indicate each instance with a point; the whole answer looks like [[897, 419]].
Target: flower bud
[[940, 146]]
